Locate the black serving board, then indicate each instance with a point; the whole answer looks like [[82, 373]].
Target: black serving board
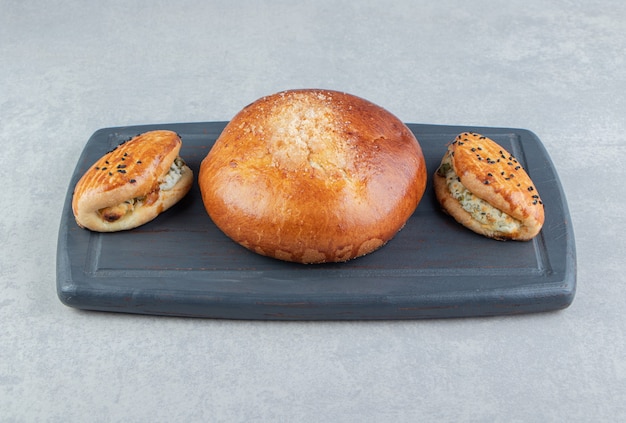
[[180, 264]]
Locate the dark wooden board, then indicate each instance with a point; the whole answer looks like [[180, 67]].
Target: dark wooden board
[[180, 264]]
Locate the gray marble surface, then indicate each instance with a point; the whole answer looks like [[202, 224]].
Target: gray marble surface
[[68, 68]]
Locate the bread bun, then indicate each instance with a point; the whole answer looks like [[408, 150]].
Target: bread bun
[[132, 184], [486, 189], [313, 176]]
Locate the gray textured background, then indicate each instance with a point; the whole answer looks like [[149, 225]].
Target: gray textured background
[[68, 68]]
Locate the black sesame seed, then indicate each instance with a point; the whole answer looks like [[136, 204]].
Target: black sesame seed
[[110, 174], [132, 181], [121, 171], [104, 168], [531, 189], [473, 148], [138, 161], [121, 166], [489, 174], [486, 182]]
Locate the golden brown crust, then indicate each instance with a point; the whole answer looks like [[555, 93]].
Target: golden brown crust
[[104, 197], [492, 174], [313, 176]]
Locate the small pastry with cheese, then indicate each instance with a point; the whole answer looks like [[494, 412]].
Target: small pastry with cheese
[[132, 184], [483, 187]]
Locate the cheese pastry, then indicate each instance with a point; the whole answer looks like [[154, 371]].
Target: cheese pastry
[[483, 187], [132, 184]]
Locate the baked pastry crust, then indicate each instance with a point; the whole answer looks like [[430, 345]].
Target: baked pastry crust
[[129, 185], [313, 176], [503, 202]]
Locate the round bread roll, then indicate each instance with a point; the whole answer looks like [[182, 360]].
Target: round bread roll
[[132, 184], [486, 189], [313, 176]]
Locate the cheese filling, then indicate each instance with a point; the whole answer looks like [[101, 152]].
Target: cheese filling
[[167, 182], [479, 209], [173, 176]]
